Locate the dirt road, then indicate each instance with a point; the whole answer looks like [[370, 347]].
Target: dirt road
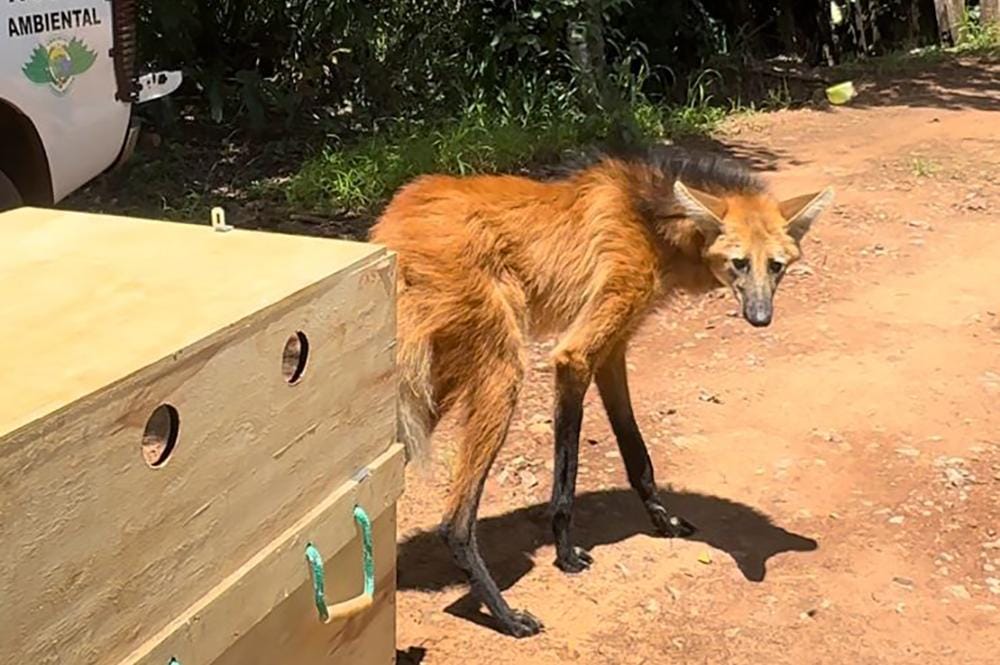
[[843, 465]]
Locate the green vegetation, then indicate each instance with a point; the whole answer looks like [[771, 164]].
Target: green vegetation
[[481, 140], [923, 167], [365, 174], [321, 109], [977, 39], [974, 40]]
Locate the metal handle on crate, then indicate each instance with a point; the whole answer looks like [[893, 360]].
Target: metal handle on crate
[[351, 606]]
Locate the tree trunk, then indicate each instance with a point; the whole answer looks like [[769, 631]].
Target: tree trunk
[[909, 23], [786, 25], [586, 47], [912, 31], [950, 14], [990, 12], [742, 14], [815, 30], [861, 26], [805, 30], [928, 23]]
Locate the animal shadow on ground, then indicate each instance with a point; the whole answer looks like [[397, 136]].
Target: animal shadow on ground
[[600, 518], [412, 656]]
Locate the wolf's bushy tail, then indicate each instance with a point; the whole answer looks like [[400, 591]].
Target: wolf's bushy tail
[[417, 412]]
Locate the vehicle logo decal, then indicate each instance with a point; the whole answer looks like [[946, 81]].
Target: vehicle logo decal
[[58, 62]]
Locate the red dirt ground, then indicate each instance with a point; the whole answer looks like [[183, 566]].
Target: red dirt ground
[[843, 465]]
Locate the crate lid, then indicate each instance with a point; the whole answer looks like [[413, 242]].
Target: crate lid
[[86, 300]]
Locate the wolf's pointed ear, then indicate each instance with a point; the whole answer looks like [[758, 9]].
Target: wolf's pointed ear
[[701, 208], [802, 211]]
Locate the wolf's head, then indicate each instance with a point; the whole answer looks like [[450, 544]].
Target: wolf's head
[[751, 239]]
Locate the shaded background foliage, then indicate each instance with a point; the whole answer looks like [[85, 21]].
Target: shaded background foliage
[[265, 60]]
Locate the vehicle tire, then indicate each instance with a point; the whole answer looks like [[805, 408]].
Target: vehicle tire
[[9, 196]]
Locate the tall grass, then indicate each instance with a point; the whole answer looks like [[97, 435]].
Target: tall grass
[[533, 128], [977, 38], [359, 176]]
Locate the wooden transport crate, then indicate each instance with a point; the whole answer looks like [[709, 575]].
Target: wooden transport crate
[[182, 411]]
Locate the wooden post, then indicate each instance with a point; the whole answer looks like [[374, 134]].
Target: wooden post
[[950, 14]]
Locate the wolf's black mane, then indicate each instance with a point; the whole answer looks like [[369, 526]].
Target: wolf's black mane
[[703, 170]]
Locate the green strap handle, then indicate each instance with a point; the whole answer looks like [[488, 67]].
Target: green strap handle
[[352, 606]]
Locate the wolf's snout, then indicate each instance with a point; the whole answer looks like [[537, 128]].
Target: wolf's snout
[[758, 312]]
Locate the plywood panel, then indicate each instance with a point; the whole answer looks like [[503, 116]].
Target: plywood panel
[[108, 550], [292, 633], [86, 300], [264, 612]]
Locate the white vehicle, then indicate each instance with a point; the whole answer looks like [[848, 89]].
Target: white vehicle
[[67, 90]]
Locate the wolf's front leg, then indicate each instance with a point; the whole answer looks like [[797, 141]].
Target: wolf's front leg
[[612, 382]]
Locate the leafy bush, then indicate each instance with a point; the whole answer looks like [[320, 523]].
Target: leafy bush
[[357, 63], [365, 61]]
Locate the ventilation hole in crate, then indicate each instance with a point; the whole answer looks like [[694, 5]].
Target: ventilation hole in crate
[[160, 435], [294, 357]]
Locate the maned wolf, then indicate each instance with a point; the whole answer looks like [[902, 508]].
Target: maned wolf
[[485, 262]]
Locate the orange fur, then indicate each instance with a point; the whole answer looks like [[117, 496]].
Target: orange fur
[[487, 262]]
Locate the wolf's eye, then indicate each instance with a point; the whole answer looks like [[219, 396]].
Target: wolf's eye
[[775, 267], [741, 265]]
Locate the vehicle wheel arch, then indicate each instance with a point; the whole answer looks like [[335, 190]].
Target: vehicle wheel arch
[[23, 159]]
